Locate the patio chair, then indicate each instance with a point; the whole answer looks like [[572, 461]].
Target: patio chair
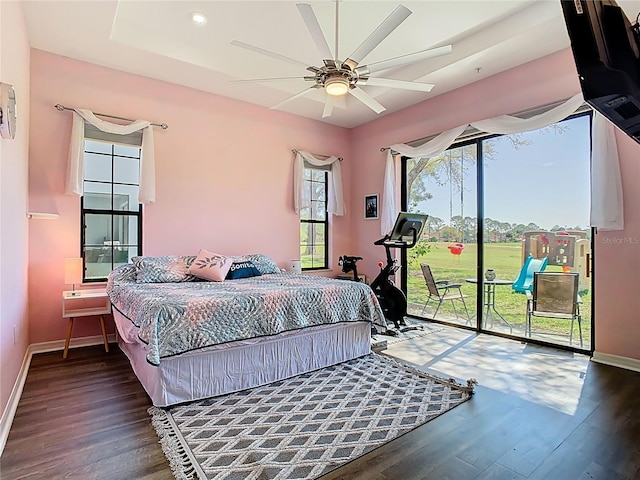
[[524, 282], [555, 295], [441, 291]]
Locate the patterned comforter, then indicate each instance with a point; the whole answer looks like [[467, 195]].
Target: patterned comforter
[[173, 318]]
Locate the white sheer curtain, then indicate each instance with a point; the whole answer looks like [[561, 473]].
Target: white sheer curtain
[[432, 148], [75, 175], [335, 200], [606, 197], [389, 207], [607, 208]]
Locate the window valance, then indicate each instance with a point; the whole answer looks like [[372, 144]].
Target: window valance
[[335, 200], [75, 174], [606, 186]]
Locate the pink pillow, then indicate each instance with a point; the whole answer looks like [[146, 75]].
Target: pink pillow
[[210, 266]]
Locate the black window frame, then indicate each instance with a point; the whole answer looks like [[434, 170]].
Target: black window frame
[[111, 212], [324, 222], [478, 140]]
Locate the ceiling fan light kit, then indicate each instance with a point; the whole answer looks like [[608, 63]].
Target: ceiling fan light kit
[[337, 85], [338, 77]]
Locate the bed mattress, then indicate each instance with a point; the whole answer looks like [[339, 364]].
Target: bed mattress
[[175, 318]]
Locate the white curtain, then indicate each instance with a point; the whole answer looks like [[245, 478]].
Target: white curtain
[[335, 200], [389, 207], [607, 212], [505, 124], [607, 159], [75, 175], [432, 148]]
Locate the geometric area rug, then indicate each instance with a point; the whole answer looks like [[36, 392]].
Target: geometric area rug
[[304, 426]]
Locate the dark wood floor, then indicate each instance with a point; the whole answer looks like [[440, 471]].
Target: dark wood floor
[[537, 414]]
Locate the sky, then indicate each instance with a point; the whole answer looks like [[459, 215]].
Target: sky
[[546, 182]]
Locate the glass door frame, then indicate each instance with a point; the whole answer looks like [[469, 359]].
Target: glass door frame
[[480, 250]]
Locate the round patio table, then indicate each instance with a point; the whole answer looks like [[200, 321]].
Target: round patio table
[[490, 299]]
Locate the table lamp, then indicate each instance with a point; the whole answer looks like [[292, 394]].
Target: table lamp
[[73, 272]]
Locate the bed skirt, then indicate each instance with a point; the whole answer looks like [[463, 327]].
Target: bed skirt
[[244, 364]]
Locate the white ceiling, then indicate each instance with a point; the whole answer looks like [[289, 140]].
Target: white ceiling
[[157, 39]]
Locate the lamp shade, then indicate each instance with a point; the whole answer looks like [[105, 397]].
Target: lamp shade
[[72, 271]]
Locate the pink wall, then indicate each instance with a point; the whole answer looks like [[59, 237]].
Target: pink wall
[[224, 173], [222, 160], [618, 264], [14, 158], [537, 83]]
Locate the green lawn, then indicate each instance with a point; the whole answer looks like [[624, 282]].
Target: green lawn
[[506, 260]]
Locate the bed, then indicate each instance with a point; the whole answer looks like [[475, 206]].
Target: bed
[[188, 339]]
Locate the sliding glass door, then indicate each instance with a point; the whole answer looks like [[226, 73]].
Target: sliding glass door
[[502, 208], [444, 187]]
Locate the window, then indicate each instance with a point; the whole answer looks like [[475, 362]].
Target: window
[[314, 225], [111, 217]]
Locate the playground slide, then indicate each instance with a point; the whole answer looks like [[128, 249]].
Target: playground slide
[[531, 265]]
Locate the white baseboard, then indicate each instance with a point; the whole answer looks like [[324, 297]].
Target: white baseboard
[[74, 343], [58, 345], [14, 398], [617, 361]]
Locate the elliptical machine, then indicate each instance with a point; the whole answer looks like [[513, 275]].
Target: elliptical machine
[[405, 234]]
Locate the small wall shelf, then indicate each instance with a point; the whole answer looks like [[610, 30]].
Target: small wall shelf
[[42, 216]]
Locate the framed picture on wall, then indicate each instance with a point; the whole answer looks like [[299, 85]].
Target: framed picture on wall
[[371, 206]]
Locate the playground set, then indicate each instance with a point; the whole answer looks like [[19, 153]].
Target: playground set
[[567, 249], [570, 250]]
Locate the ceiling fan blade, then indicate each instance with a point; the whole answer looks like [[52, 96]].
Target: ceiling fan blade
[[388, 82], [389, 24], [367, 99], [404, 60], [328, 106], [297, 95], [340, 101], [269, 53], [272, 79], [311, 21]]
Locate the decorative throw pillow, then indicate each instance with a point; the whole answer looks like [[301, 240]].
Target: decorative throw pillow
[[210, 266], [262, 262], [244, 269], [169, 268]]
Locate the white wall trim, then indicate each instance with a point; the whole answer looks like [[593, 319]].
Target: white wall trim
[[12, 404], [617, 361], [74, 343], [14, 398]]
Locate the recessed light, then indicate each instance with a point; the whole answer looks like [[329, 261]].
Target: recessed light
[[198, 18]]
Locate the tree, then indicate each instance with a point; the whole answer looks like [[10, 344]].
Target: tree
[[414, 254], [315, 182], [469, 230], [450, 167], [433, 225], [490, 228], [448, 234]]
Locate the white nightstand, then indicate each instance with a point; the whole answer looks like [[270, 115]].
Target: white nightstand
[[85, 303]]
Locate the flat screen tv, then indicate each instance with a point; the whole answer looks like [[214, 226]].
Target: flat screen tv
[[606, 50]]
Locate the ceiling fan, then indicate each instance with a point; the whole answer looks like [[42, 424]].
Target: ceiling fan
[[339, 77]]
